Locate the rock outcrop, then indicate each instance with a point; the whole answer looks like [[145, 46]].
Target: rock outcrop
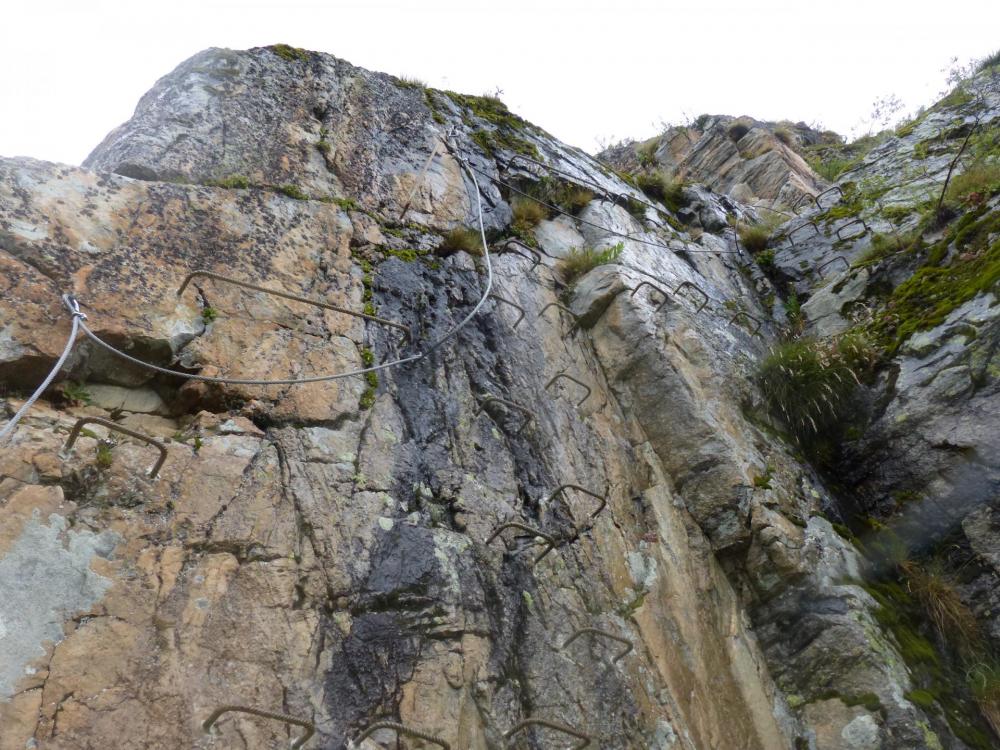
[[320, 550]]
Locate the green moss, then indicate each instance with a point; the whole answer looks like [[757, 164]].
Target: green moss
[[292, 191], [904, 129], [870, 701], [763, 481], [407, 255], [290, 53], [232, 182], [922, 150], [923, 698], [507, 127]]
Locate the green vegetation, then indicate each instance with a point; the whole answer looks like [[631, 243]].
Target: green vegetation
[[647, 154], [564, 195], [232, 182], [669, 191], [793, 311], [755, 238], [934, 589], [507, 126], [921, 150], [785, 135], [461, 238], [581, 260], [208, 314], [810, 386], [409, 82], [527, 214], [765, 259], [981, 179], [988, 62], [292, 191], [763, 481], [290, 53], [76, 394], [104, 457]]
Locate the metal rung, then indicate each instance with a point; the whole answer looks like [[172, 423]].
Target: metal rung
[[75, 433], [401, 729], [749, 317], [535, 257], [828, 190], [651, 285], [802, 226], [520, 309], [566, 310], [695, 287], [307, 725], [586, 738], [804, 198], [570, 377], [293, 297], [841, 258], [602, 498], [596, 631], [851, 223], [550, 543], [496, 399]]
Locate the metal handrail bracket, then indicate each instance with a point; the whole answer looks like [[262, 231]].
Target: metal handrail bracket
[[603, 499], [828, 190], [749, 317], [108, 424], [550, 543], [576, 319], [490, 399], [791, 232], [520, 309], [698, 289], [518, 247], [651, 285], [864, 229], [597, 631], [841, 258]]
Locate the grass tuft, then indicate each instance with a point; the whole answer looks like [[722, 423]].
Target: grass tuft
[[461, 238], [581, 260]]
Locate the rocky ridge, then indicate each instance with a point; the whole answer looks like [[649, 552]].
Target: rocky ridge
[[320, 550]]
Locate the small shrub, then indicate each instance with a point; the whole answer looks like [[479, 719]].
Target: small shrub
[[765, 259], [921, 150], [564, 195], [647, 154], [208, 314], [76, 394], [755, 238], [104, 457], [669, 191], [810, 385], [763, 481], [527, 214], [410, 82], [461, 238], [289, 52], [981, 177], [292, 191], [581, 260], [952, 619]]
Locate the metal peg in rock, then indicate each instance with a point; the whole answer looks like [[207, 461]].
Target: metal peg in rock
[[490, 399], [651, 285], [585, 739], [516, 306], [602, 499], [808, 224], [597, 631], [747, 316], [691, 285], [400, 729], [829, 190], [108, 424], [841, 258], [307, 725], [853, 222], [570, 377], [293, 297], [517, 247], [550, 543], [566, 310]]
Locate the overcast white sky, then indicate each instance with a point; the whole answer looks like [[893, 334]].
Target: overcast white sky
[[71, 70]]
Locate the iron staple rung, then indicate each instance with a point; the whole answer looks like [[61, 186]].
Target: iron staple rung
[[289, 296], [585, 738], [597, 631], [570, 377], [550, 543], [529, 415], [401, 729], [602, 498], [307, 725], [748, 316], [108, 424], [822, 266]]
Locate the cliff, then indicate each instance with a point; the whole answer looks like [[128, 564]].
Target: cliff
[[328, 549]]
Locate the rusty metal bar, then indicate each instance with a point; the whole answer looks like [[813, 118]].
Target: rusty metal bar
[[828, 190], [576, 320], [307, 725], [596, 631], [570, 377], [847, 266], [520, 309], [401, 729], [293, 297], [75, 433], [550, 543], [602, 498], [851, 223], [496, 399], [692, 285], [535, 257], [802, 226], [651, 285], [804, 198], [586, 738], [748, 316]]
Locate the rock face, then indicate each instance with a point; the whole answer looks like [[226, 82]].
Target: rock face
[[321, 550], [752, 161]]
